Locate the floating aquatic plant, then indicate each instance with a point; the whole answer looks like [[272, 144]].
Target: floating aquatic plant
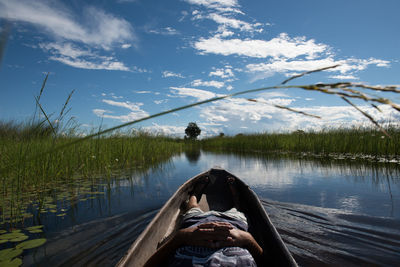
[[31, 243]]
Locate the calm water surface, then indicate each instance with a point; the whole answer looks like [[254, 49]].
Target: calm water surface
[[334, 213]]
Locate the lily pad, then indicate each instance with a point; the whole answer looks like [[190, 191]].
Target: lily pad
[[19, 239], [10, 236], [11, 263], [9, 253], [31, 243], [61, 214], [34, 227], [2, 241], [3, 231]]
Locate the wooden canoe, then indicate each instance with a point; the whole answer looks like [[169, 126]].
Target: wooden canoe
[[216, 197]]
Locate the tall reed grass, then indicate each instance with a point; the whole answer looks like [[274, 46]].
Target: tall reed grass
[[101, 157], [356, 141]]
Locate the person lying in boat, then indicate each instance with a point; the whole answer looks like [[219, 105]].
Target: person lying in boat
[[209, 238]]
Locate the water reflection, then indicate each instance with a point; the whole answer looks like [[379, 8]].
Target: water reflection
[[372, 189], [193, 155]]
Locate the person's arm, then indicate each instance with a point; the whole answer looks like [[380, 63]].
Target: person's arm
[[201, 235], [243, 239], [253, 247], [213, 235]]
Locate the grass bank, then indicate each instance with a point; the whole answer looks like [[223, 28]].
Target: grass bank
[[35, 173], [360, 141]]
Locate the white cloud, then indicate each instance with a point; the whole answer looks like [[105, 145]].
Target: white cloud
[[117, 97], [223, 73], [215, 84], [192, 92], [100, 63], [132, 116], [275, 101], [164, 31], [223, 32], [214, 3], [264, 70], [344, 77], [112, 95], [281, 46], [166, 129], [84, 64], [126, 46], [99, 28], [66, 49], [184, 15], [100, 112], [273, 94], [140, 70], [233, 23], [126, 104], [222, 6], [135, 114], [226, 21], [143, 92], [74, 33], [258, 117], [160, 101], [235, 109], [167, 74]]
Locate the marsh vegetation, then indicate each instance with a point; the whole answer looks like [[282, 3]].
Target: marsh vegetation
[[38, 180], [362, 143]]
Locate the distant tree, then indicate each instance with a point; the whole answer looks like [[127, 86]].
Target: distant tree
[[192, 131], [221, 134]]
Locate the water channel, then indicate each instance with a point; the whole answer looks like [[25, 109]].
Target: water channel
[[327, 212]]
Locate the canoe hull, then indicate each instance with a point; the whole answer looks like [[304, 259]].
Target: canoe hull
[[216, 197]]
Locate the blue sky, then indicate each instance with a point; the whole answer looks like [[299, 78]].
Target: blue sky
[[127, 59]]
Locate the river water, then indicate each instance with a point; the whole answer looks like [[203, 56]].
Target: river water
[[327, 212]]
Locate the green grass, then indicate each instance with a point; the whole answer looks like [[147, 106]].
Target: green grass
[[101, 157], [354, 141]]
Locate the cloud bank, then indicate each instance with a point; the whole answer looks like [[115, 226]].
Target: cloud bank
[[135, 111], [93, 28]]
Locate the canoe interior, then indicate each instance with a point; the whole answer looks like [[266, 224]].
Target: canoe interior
[[216, 197]]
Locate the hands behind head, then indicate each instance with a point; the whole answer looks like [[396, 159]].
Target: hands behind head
[[214, 235]]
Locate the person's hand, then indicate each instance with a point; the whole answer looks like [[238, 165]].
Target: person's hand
[[205, 235], [236, 238], [214, 235]]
